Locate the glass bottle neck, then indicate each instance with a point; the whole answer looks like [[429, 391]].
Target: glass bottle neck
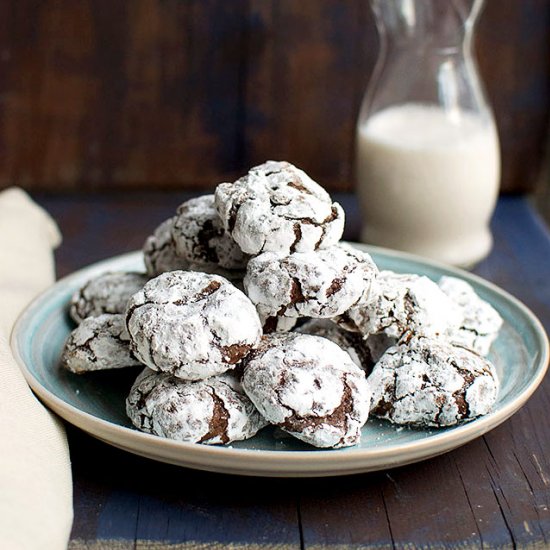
[[441, 26], [426, 58]]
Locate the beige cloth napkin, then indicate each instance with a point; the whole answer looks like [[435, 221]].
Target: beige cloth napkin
[[35, 474]]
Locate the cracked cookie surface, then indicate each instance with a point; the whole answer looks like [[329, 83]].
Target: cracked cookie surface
[[212, 411], [159, 251], [351, 342], [278, 208], [405, 302], [98, 343], [106, 293], [191, 324], [278, 324], [430, 382], [480, 322], [324, 283], [309, 387], [201, 239]]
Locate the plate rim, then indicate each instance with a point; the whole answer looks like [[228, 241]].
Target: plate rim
[[299, 463]]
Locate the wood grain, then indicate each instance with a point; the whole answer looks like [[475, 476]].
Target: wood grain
[[175, 94], [305, 81], [513, 49]]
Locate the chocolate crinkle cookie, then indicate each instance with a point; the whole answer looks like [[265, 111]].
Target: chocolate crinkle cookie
[[404, 302], [480, 322], [98, 343], [201, 239], [106, 293], [351, 342], [212, 411], [430, 382], [278, 208], [159, 251], [309, 387], [192, 325], [325, 283]]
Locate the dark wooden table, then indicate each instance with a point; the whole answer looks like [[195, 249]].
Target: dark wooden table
[[492, 493]]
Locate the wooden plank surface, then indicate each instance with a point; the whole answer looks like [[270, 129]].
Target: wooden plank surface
[[114, 93], [491, 493], [178, 94], [513, 49], [306, 74]]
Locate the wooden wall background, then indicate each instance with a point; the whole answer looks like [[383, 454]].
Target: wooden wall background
[[111, 94]]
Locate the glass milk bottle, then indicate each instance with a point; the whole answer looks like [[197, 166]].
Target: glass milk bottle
[[427, 158]]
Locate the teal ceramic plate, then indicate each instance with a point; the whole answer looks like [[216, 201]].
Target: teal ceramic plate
[[95, 402]]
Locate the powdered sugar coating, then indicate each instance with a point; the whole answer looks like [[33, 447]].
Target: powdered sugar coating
[[160, 255], [351, 342], [98, 343], [377, 344], [324, 283], [211, 411], [200, 238], [234, 276], [159, 251], [309, 387], [107, 293], [278, 208], [405, 302], [278, 324], [430, 382], [192, 325], [480, 322]]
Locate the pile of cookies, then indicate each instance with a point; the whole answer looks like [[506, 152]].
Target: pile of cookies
[[252, 312]]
